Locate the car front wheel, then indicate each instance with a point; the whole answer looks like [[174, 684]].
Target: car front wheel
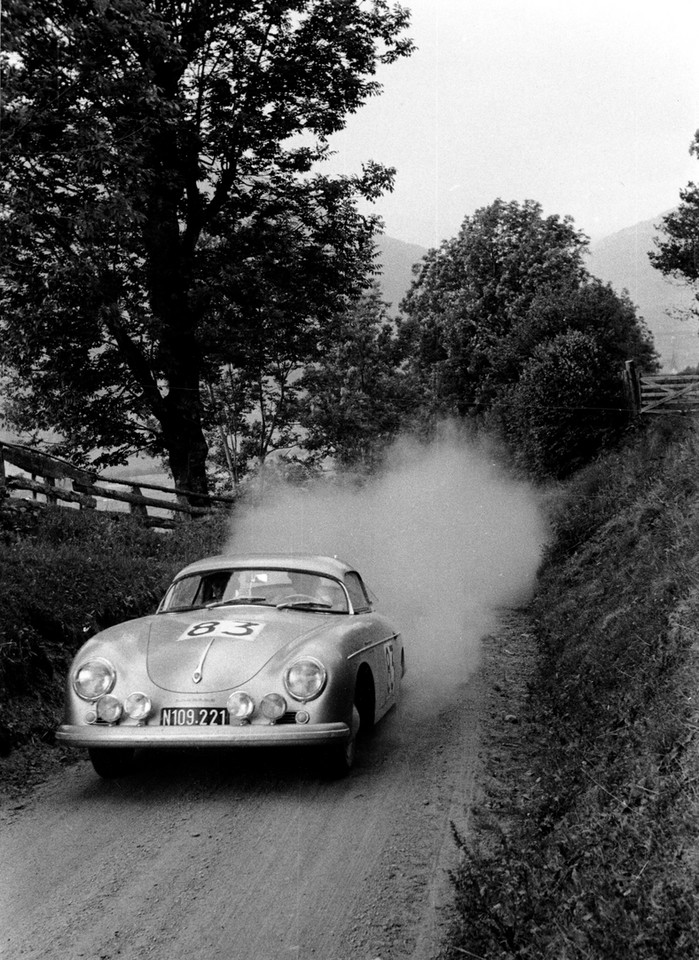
[[111, 762], [340, 757]]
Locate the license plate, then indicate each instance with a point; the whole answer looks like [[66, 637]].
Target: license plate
[[193, 716]]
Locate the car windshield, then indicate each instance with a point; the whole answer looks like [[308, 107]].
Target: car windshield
[[282, 588]]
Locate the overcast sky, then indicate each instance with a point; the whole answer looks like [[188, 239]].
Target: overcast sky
[[587, 106]]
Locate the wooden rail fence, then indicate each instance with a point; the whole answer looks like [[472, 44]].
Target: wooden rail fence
[[662, 393], [51, 481]]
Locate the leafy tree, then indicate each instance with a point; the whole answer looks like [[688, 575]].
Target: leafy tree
[[158, 187], [256, 412], [678, 251], [356, 394], [566, 406], [472, 295], [593, 308], [494, 320]]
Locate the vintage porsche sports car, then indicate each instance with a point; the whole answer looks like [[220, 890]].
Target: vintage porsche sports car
[[243, 651]]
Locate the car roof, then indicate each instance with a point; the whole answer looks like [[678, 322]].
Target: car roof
[[309, 563]]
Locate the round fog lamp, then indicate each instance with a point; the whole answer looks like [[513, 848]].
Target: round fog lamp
[[94, 678], [273, 706], [109, 709], [240, 705], [138, 706]]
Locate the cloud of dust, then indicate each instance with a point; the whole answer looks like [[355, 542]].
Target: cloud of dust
[[441, 536]]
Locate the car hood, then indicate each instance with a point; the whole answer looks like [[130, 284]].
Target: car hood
[[204, 651]]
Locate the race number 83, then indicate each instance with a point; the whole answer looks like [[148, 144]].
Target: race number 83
[[232, 629]]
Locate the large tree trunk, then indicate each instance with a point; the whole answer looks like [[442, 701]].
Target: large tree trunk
[[170, 274], [183, 435], [187, 450]]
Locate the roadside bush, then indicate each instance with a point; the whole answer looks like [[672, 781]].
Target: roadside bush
[[567, 406], [64, 575]]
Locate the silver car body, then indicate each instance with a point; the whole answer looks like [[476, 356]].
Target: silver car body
[[235, 626]]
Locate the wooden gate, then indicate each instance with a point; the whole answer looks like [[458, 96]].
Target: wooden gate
[[662, 393]]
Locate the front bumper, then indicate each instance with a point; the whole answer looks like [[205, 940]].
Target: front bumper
[[272, 735]]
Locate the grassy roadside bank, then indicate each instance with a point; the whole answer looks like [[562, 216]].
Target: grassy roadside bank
[[588, 846], [63, 575], [586, 840]]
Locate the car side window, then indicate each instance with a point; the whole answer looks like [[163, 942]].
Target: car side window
[[357, 593], [181, 593]]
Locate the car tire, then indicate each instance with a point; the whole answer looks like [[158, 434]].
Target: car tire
[[365, 702], [340, 757], [112, 762]]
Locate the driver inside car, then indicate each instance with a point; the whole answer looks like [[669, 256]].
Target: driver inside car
[[320, 589]]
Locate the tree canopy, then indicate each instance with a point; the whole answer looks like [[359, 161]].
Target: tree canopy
[[504, 322], [473, 296], [356, 395], [677, 253], [162, 209]]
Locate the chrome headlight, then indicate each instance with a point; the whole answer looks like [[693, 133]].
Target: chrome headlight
[[240, 705], [305, 679], [94, 678]]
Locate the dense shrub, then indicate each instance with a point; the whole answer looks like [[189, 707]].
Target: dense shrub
[[503, 323], [64, 575], [567, 406]]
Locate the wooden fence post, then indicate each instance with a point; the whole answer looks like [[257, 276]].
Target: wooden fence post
[[51, 497], [633, 387], [138, 509]]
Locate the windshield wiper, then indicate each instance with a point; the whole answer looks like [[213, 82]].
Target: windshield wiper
[[233, 601], [304, 605]]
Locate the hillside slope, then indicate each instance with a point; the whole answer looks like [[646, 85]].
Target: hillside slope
[[622, 260], [589, 844], [395, 261]]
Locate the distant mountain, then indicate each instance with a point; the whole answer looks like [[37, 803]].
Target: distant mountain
[[622, 260], [396, 260]]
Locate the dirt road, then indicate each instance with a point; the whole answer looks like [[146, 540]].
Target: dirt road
[[207, 856]]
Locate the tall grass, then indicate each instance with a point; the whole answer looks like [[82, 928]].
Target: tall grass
[[600, 856]]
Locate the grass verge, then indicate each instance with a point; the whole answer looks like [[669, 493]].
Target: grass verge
[[64, 575], [592, 851]]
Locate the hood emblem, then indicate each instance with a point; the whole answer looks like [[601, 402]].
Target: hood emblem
[[198, 673]]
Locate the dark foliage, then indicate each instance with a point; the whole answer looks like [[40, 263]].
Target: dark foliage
[[567, 405], [157, 173], [64, 575], [356, 395], [505, 324]]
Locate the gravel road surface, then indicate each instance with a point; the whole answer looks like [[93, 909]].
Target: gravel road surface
[[210, 855]]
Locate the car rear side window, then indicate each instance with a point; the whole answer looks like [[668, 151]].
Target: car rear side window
[[357, 593]]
